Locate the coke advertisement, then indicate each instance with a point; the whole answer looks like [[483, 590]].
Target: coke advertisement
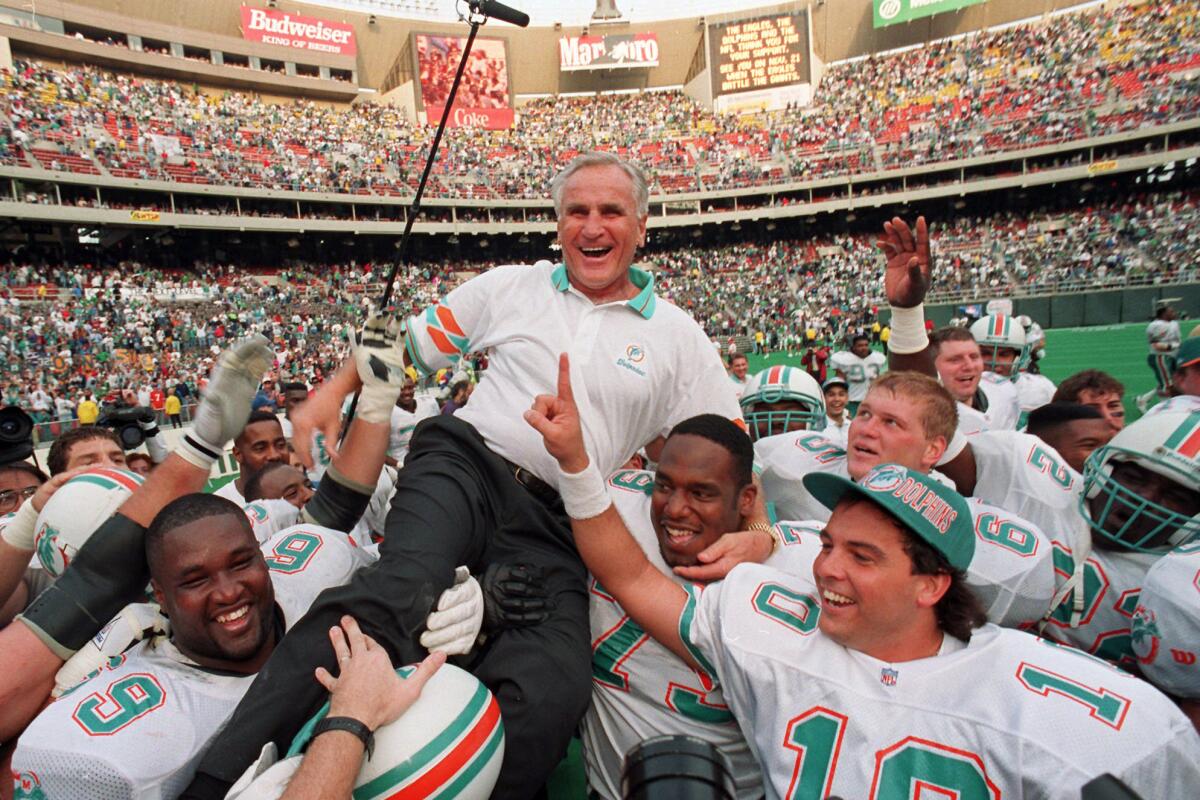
[[483, 99], [271, 26]]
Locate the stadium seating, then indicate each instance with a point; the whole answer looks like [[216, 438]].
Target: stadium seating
[[1092, 73]]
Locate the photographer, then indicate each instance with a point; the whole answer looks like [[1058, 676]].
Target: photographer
[[134, 424]]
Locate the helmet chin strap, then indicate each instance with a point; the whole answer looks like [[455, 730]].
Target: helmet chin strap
[[1083, 550]]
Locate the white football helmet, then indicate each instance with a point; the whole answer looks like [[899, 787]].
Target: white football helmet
[[76, 510], [449, 743], [1126, 508], [997, 332], [780, 384]]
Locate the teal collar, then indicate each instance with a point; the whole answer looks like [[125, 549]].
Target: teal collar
[[643, 303]]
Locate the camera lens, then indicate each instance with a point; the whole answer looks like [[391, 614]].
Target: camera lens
[[677, 768], [15, 425]]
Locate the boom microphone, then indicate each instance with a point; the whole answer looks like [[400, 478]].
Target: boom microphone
[[497, 10]]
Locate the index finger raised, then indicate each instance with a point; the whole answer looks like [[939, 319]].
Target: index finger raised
[[564, 379]]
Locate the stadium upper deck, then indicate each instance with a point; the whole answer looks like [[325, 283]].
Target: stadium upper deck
[[1078, 76]]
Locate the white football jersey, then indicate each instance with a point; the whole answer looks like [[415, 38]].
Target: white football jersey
[[836, 433], [1006, 716], [641, 689], [1024, 475], [305, 560], [859, 372], [137, 729], [405, 422], [1112, 585], [1184, 402], [1033, 390], [1166, 627], [1002, 411], [781, 461], [1161, 331], [1012, 571]]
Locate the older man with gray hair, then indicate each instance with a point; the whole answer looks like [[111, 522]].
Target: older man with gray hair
[[478, 488]]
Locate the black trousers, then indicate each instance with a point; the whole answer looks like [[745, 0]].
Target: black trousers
[[456, 503]]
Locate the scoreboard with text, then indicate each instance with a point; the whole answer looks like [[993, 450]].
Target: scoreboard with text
[[762, 53]]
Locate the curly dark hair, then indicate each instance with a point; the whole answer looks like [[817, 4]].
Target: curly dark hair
[[959, 612]]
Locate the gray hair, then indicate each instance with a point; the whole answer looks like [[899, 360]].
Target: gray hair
[[641, 191]]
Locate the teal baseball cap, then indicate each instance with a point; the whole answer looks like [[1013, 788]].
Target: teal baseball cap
[[935, 513], [1188, 354]]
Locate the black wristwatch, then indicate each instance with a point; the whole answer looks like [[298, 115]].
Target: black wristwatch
[[350, 725]]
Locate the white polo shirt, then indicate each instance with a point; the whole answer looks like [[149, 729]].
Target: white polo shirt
[[638, 367]]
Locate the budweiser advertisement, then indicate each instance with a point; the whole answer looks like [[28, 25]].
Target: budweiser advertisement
[[608, 52], [483, 99], [271, 26]]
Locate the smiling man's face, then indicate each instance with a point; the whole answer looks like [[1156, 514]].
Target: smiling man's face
[[600, 229]]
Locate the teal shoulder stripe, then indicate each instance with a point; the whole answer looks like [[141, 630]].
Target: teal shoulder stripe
[[420, 760], [685, 630], [1177, 437], [475, 766]]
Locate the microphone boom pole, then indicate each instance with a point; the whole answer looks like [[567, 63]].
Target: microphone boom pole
[[480, 10]]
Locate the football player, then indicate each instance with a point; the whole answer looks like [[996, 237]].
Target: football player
[[259, 443], [1166, 627], [137, 728], [983, 404], [1002, 345], [1186, 380], [1074, 430], [1140, 498], [1097, 389], [877, 673], [909, 419], [858, 366], [781, 399], [702, 488], [1164, 337], [1033, 388]]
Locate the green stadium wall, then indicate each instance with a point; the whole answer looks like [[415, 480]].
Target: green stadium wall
[[1079, 309]]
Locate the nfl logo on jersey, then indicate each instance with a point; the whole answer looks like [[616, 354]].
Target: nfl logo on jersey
[[888, 676]]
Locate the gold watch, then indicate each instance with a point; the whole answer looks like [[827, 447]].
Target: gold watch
[[771, 530]]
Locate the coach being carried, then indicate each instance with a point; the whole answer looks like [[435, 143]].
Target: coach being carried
[[479, 488]]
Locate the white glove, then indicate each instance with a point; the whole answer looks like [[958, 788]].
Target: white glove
[[267, 778], [21, 527], [454, 627], [125, 630], [226, 405], [380, 365]]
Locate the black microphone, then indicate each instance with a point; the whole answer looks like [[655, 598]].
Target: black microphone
[[495, 10]]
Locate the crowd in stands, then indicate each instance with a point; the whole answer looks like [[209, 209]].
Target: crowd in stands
[[84, 329], [1078, 75]]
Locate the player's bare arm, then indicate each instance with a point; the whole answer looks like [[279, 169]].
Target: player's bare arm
[[610, 553], [108, 568], [906, 281]]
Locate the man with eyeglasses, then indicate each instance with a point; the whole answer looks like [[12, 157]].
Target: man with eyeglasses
[[18, 483], [19, 584]]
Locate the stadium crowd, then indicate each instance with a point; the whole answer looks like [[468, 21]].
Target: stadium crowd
[[92, 330], [906, 594], [1116, 69]]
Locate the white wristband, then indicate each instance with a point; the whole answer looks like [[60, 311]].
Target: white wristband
[[957, 443], [908, 330], [20, 530], [583, 493]]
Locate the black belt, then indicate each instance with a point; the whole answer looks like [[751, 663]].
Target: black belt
[[544, 492]]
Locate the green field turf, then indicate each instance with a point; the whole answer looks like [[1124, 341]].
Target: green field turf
[[1119, 350]]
